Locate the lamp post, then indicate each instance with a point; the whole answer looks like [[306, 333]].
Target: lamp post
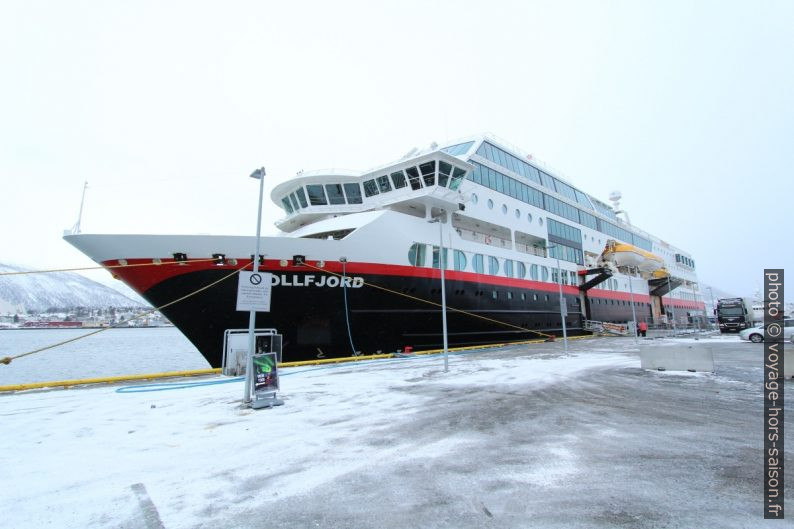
[[442, 265], [258, 174], [563, 305]]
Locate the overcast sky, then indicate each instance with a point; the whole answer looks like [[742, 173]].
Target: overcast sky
[[166, 108]]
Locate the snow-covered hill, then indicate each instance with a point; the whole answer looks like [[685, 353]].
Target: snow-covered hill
[[39, 292]]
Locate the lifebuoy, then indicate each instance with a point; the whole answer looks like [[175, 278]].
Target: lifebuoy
[[487, 239]]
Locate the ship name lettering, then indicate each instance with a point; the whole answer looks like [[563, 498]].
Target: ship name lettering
[[285, 280]]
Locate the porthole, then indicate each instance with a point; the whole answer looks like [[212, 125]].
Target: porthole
[[474, 198], [518, 214], [540, 221], [504, 209], [490, 204], [529, 217]]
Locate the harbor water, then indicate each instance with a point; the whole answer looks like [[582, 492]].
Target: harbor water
[[114, 352]]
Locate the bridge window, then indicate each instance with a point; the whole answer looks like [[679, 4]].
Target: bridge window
[[353, 193], [294, 201], [370, 188], [287, 205], [399, 180], [301, 197], [316, 195], [428, 173], [383, 184], [334, 192], [413, 178], [444, 170], [457, 178]]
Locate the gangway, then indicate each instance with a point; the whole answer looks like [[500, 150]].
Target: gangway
[[603, 327]]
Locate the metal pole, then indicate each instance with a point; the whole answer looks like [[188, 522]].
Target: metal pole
[[259, 174], [633, 310], [672, 306], [442, 265], [563, 310], [712, 307]]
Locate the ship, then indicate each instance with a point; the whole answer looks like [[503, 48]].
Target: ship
[[356, 267]]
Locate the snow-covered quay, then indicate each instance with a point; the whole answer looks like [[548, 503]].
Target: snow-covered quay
[[522, 436]]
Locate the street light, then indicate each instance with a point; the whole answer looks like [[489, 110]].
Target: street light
[[258, 174], [563, 305], [442, 265]]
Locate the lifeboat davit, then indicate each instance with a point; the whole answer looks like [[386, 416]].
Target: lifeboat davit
[[628, 255]]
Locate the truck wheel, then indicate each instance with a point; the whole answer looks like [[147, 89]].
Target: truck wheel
[[756, 338]]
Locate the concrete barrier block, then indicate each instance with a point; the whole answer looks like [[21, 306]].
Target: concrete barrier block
[[683, 357]]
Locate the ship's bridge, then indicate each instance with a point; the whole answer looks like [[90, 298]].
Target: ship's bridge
[[412, 186]]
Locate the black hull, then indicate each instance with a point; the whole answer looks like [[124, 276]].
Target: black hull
[[313, 318]]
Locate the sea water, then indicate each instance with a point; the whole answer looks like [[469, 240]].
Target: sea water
[[121, 351]]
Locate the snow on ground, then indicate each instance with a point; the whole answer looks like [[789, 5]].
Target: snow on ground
[[197, 452], [383, 444]]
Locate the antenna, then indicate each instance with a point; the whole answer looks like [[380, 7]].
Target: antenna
[[615, 197], [76, 227]]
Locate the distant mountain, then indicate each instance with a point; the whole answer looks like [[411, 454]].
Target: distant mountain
[[42, 291]]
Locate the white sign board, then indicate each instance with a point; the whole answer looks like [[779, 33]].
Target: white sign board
[[253, 291]]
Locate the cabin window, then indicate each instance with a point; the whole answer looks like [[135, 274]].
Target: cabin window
[[508, 268], [428, 173], [521, 270], [435, 257], [416, 254], [383, 184], [334, 192], [533, 272], [509, 295], [353, 193], [413, 178], [370, 188], [544, 273], [460, 260], [316, 195], [399, 180], [301, 197], [477, 263], [493, 265]]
